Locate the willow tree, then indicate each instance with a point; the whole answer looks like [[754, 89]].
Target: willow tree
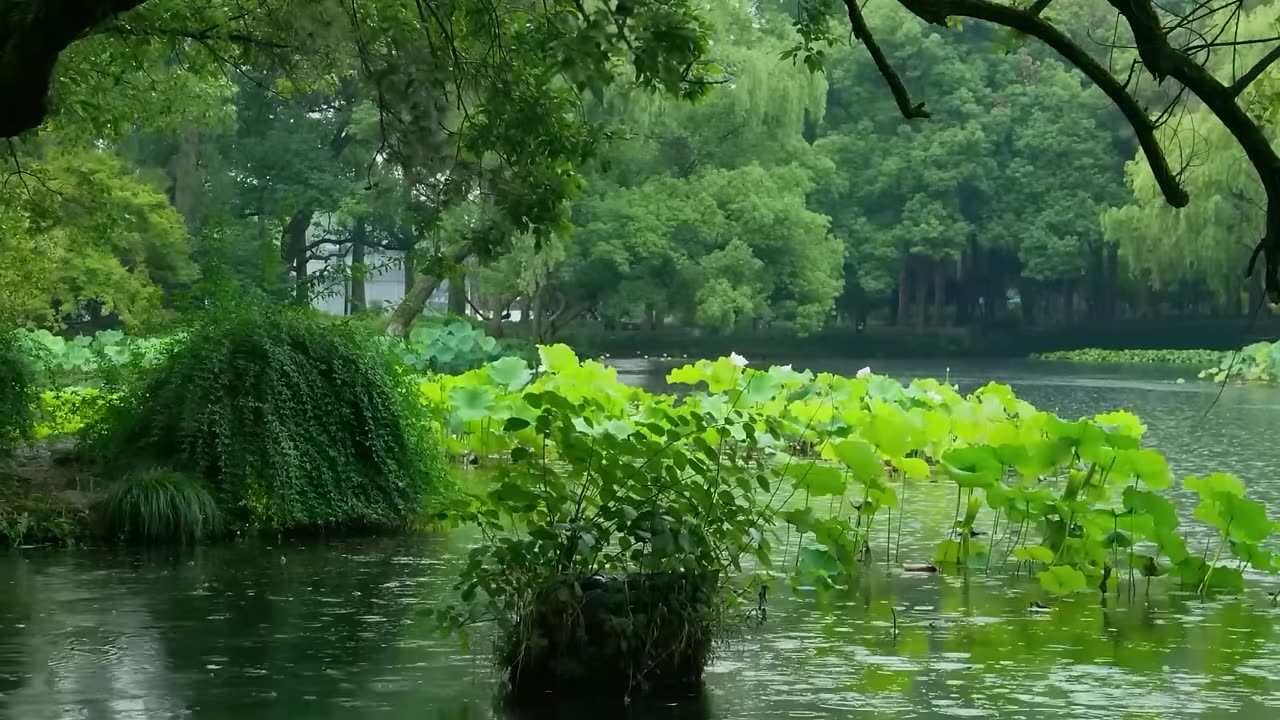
[[1204, 243]]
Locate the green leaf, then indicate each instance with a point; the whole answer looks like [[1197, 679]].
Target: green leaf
[[515, 424], [557, 358], [1034, 553], [914, 468], [1150, 467], [975, 466], [510, 372], [1117, 539], [1062, 580], [861, 459], [820, 480]]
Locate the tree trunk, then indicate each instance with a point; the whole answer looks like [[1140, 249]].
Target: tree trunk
[[535, 316], [458, 294], [921, 293], [293, 250], [356, 301], [1110, 282], [415, 299], [939, 293], [495, 321], [184, 170], [1069, 303], [904, 290]]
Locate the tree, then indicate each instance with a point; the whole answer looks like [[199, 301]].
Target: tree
[[1004, 190], [473, 96], [84, 237]]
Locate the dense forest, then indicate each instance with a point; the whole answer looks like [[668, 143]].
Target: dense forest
[[726, 176]]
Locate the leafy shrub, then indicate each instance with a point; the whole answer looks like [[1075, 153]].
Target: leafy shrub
[[18, 392], [295, 422], [67, 411], [1199, 358], [160, 506]]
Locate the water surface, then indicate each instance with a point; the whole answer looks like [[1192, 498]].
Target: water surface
[[338, 630]]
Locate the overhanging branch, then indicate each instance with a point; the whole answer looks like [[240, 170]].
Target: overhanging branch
[[901, 96], [1028, 23]]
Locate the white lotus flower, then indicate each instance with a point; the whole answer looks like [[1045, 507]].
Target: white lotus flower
[[787, 367], [935, 397], [864, 372], [738, 360]]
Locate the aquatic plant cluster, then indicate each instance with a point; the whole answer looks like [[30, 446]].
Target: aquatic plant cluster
[[1256, 363], [1196, 358], [1081, 502]]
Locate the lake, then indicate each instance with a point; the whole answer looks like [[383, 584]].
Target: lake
[[338, 630]]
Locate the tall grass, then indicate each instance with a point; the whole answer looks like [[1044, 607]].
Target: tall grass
[[161, 506]]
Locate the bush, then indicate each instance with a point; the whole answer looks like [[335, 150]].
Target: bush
[[294, 421], [611, 556], [160, 506], [18, 392]]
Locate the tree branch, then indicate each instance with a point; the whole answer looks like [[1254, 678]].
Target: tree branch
[[200, 36], [1038, 7], [1027, 23], [1165, 61], [1252, 73], [901, 95]]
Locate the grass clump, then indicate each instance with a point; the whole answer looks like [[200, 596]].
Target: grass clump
[[293, 422], [19, 392], [161, 506]]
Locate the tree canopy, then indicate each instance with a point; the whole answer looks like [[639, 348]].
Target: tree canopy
[[550, 154]]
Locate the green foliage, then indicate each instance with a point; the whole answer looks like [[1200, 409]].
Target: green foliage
[[448, 347], [88, 237], [65, 412], [1200, 358], [161, 506], [107, 354], [588, 489], [1255, 363], [1076, 499], [18, 392], [293, 421], [33, 516]]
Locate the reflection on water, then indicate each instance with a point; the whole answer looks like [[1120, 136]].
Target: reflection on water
[[338, 631]]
